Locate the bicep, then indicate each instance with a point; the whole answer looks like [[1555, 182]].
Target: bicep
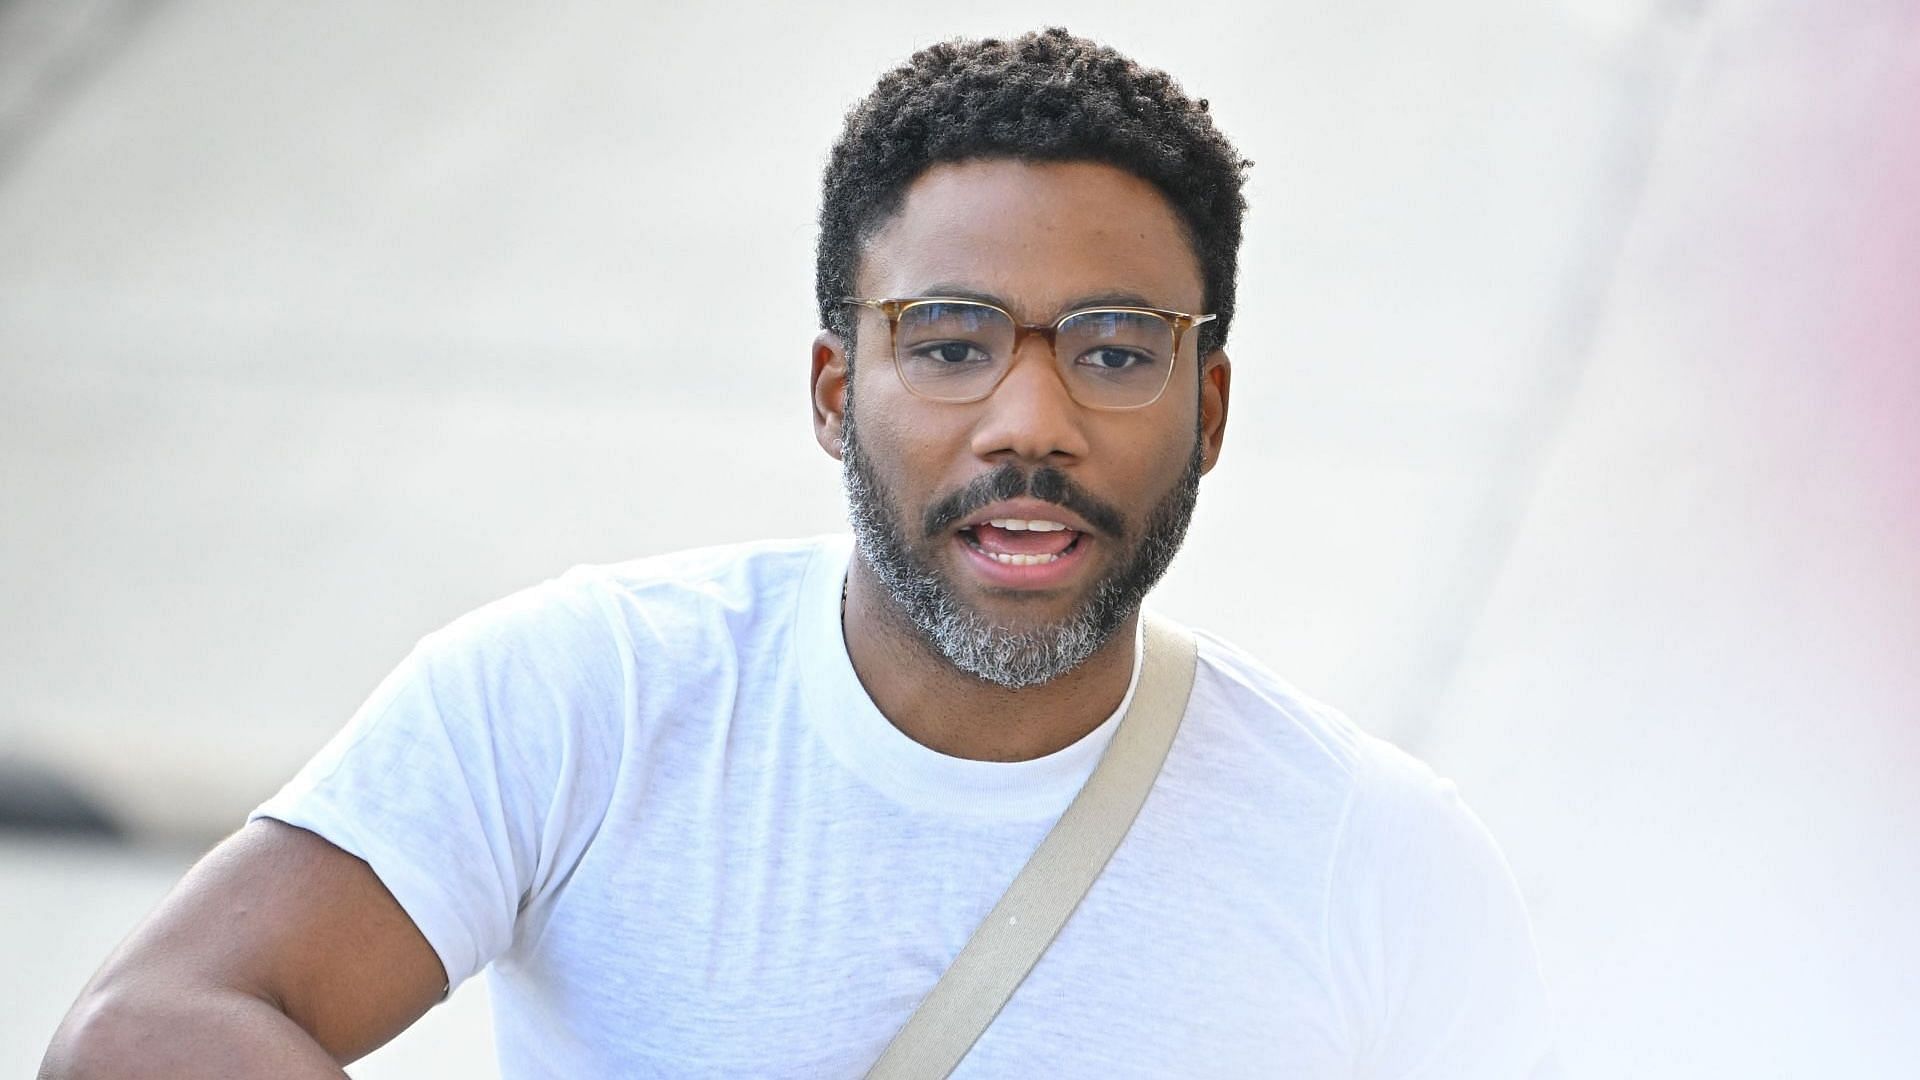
[[280, 914]]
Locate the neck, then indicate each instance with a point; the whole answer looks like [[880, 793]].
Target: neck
[[947, 710]]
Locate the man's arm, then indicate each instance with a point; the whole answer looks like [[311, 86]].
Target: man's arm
[[277, 955]]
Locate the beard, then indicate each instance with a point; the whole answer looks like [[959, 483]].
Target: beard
[[1014, 658]]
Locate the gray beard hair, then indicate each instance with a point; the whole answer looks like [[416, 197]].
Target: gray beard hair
[[1008, 658]]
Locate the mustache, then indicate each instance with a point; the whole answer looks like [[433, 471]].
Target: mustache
[[1047, 484]]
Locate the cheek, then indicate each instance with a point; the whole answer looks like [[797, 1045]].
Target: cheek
[[895, 441], [915, 433], [1175, 429]]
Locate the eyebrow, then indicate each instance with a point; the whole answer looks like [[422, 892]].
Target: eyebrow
[[1118, 298]]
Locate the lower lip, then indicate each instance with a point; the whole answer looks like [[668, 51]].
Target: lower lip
[[1048, 575]]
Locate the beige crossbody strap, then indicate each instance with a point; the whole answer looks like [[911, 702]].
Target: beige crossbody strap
[[1021, 926]]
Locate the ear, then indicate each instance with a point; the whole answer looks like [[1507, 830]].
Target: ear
[[829, 391], [1216, 385]]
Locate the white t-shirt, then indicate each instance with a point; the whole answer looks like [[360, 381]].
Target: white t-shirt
[[655, 798]]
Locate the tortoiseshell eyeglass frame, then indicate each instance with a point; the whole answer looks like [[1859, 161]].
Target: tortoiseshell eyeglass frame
[[892, 309]]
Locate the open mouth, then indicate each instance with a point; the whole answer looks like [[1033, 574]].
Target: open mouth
[[1020, 542]]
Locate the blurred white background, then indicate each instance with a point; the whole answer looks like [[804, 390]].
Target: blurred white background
[[1575, 445]]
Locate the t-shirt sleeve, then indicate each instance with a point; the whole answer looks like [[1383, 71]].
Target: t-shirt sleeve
[[468, 780], [1429, 936]]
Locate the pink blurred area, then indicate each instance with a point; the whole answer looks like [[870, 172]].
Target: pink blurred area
[[1692, 705]]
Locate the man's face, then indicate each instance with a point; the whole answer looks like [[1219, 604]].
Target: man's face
[[927, 482]]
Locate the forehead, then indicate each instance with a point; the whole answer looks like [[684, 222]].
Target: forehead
[[1037, 236]]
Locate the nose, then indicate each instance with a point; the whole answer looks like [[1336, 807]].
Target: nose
[[1030, 417]]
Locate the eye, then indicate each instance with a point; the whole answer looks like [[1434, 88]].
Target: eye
[[952, 353], [1114, 358]]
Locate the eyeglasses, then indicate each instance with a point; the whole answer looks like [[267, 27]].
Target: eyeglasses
[[958, 351]]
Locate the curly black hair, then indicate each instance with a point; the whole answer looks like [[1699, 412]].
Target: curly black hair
[[1045, 96]]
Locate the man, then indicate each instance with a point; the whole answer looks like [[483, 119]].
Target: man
[[732, 812]]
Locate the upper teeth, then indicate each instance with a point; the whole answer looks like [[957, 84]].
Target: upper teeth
[[1017, 525]]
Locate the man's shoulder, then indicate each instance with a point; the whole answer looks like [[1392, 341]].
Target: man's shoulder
[[1385, 805], [1251, 720], [741, 575], [726, 572], [1262, 717], [680, 598]]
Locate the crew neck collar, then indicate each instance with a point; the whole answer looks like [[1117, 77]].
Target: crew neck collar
[[867, 743]]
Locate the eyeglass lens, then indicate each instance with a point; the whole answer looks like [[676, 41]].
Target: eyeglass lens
[[957, 351]]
